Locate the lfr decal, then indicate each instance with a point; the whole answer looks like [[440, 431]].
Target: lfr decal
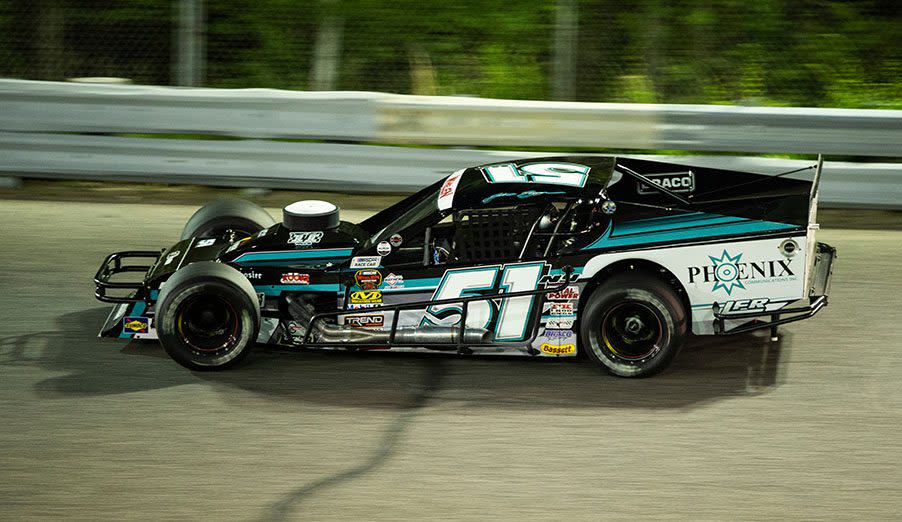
[[507, 318]]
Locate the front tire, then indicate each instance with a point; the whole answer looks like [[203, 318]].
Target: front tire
[[633, 325], [240, 216], [208, 316]]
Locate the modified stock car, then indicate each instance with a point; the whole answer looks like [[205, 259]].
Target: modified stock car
[[617, 258]]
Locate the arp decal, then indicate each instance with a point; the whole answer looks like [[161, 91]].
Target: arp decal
[[729, 272], [679, 182], [135, 325], [383, 248], [555, 349], [205, 243]]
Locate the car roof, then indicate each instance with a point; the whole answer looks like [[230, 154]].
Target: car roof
[[507, 183]]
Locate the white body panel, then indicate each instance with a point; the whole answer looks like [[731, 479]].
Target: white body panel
[[745, 272]]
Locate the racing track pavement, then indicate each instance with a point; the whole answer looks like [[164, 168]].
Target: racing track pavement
[[738, 428]]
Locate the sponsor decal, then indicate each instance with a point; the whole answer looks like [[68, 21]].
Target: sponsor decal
[[304, 238], [368, 278], [205, 242], [171, 256], [365, 321], [745, 305], [729, 272], [383, 248], [522, 195], [561, 309], [554, 349], [293, 278], [556, 279], [394, 280], [366, 262], [261, 298], [571, 292], [395, 240], [252, 275], [135, 325], [357, 306], [559, 323], [446, 193], [672, 181], [261, 233], [558, 334], [366, 297]]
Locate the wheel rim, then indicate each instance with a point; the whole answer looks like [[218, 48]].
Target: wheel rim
[[632, 331], [208, 325]]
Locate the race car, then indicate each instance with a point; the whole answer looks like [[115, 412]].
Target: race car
[[619, 259]]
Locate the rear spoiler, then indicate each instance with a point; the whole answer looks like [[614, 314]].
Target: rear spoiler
[[815, 187]]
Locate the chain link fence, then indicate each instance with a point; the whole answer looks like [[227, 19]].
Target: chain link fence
[[769, 52]]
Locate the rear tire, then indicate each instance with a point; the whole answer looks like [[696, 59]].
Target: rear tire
[[241, 216], [633, 325], [207, 316]]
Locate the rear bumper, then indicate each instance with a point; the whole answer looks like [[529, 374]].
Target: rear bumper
[[821, 275]]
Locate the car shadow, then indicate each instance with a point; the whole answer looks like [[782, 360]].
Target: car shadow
[[708, 369]]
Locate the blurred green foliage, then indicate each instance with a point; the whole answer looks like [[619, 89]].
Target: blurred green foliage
[[760, 52]]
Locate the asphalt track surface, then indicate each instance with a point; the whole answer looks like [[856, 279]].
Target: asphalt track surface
[[738, 427]]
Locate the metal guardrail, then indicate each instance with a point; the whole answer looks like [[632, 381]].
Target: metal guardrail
[[29, 106], [354, 168], [60, 130]]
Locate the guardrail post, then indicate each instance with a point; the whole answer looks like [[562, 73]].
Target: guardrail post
[[565, 30], [190, 49]]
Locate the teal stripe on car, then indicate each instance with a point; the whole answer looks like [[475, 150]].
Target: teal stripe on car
[[275, 290], [681, 228], [322, 254]]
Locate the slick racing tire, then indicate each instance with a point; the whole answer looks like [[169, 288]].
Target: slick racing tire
[[633, 325], [241, 216], [208, 316]]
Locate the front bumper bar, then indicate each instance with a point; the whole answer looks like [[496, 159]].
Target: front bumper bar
[[821, 276], [112, 265]]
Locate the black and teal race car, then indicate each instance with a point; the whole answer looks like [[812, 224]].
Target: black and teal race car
[[617, 258]]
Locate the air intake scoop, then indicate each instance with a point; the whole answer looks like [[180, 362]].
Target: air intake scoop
[[310, 215]]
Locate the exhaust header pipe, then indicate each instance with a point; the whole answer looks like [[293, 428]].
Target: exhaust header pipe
[[343, 334]]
